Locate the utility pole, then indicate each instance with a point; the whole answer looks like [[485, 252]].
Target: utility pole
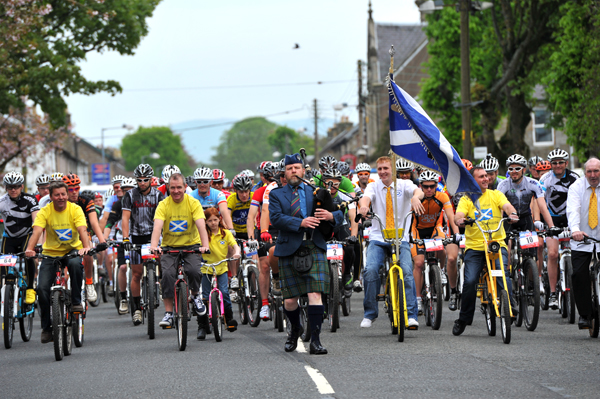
[[316, 116], [361, 128], [465, 79]]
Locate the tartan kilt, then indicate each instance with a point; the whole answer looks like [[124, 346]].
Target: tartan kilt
[[294, 284]]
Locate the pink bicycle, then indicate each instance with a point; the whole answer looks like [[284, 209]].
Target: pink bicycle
[[216, 305]]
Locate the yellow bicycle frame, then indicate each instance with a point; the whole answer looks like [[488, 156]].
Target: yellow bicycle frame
[[394, 274], [490, 279]]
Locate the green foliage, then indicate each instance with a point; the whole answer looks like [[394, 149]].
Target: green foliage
[[573, 80], [244, 146], [158, 139], [289, 141]]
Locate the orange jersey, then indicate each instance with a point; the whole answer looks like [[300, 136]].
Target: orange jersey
[[433, 215]]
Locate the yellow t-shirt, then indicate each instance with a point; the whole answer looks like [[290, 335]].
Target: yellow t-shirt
[[490, 203], [218, 251], [61, 228], [239, 212], [179, 229]]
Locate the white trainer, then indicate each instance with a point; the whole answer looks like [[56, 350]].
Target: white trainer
[[366, 323], [264, 312], [90, 292]]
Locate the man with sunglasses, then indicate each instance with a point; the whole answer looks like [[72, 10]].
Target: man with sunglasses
[[557, 183], [211, 197], [118, 194], [363, 173]]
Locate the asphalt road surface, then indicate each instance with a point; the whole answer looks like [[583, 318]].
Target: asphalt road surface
[[118, 360]]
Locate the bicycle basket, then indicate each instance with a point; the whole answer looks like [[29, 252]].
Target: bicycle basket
[[390, 234]]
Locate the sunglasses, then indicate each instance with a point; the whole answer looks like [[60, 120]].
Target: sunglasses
[[517, 169], [428, 186], [203, 181], [13, 187], [336, 185], [143, 180], [558, 163], [363, 174], [74, 189]]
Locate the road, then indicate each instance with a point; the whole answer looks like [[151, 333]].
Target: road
[[118, 360]]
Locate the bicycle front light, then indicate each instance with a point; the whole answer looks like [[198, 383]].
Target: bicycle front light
[[494, 247]]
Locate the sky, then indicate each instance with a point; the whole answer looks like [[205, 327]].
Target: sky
[[198, 56]]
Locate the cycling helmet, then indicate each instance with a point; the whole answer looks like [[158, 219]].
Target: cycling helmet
[[558, 154], [543, 165], [117, 179], [362, 167], [56, 176], [155, 181], [261, 168], [203, 174], [128, 182], [109, 193], [97, 195], [88, 194], [247, 172], [242, 183], [332, 173], [429, 176], [191, 182], [168, 171], [467, 164], [534, 161], [143, 170], [516, 159], [42, 179], [343, 167], [13, 179], [218, 174], [327, 161], [404, 165], [71, 179], [269, 170], [489, 164]]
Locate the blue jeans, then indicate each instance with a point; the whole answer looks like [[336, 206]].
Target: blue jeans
[[222, 283], [376, 253], [474, 264]]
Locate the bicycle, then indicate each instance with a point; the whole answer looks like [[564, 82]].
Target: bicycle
[[595, 280], [566, 300], [216, 304], [149, 287], [128, 274], [13, 299], [248, 293]]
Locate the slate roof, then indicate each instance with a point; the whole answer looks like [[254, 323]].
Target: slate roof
[[405, 38]]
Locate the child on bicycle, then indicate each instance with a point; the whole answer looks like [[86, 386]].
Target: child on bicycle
[[220, 240]]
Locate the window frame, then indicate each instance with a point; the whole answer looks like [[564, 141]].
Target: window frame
[[540, 125]]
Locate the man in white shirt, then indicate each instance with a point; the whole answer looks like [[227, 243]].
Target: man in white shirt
[[376, 195], [582, 213]]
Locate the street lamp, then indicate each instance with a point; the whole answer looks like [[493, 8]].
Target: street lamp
[[276, 154], [125, 126], [154, 155]]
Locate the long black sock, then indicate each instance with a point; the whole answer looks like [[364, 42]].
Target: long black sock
[[137, 302], [315, 317], [124, 295], [293, 316]]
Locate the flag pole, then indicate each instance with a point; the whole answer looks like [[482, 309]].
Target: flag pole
[[394, 176]]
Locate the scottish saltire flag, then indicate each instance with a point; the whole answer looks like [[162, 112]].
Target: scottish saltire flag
[[64, 234], [178, 226], [415, 137]]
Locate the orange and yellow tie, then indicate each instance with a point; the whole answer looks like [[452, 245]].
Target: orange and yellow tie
[[389, 210], [593, 214]]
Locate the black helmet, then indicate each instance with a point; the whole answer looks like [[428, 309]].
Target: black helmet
[[88, 194]]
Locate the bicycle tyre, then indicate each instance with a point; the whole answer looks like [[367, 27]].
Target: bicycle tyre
[[117, 291], [490, 314], [518, 293], [390, 309], [595, 317], [104, 289], [149, 303], [58, 333], [279, 313], [254, 302], [78, 329], [217, 318], [242, 309], [8, 323], [346, 308], [530, 301], [304, 319], [569, 297], [68, 329], [505, 319], [333, 299], [435, 284], [446, 286], [181, 315], [26, 325], [401, 306], [545, 296]]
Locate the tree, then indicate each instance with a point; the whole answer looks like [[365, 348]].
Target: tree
[[289, 141], [43, 41], [156, 139], [573, 80], [243, 146]]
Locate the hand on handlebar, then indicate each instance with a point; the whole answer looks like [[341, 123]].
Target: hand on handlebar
[[266, 236], [126, 244], [101, 247], [538, 225], [30, 253], [578, 235], [352, 240], [83, 251], [204, 250], [156, 250], [513, 218]]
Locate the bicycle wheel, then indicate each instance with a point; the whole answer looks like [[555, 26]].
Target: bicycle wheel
[[445, 285], [279, 313], [104, 289], [254, 302], [401, 306], [389, 309], [333, 299], [435, 307], [242, 307], [505, 319], [518, 292], [58, 327], [545, 296], [217, 318], [68, 329], [595, 317], [8, 323], [489, 313], [117, 293], [304, 319], [181, 316], [149, 302], [346, 308], [26, 324], [78, 329], [530, 299], [569, 297]]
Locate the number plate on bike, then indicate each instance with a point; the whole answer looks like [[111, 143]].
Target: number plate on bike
[[496, 273], [433, 245], [366, 233], [8, 260], [251, 249], [528, 239], [335, 252], [146, 254], [463, 241]]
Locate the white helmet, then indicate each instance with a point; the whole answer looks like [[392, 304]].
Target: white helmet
[[428, 175], [203, 174], [13, 179], [168, 171], [42, 179], [362, 167], [516, 159], [128, 182], [489, 164], [558, 154], [56, 176], [109, 193], [117, 179], [247, 172], [403, 164]]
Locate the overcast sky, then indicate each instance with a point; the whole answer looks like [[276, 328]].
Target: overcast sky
[[194, 46]]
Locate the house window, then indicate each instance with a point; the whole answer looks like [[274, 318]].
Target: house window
[[542, 134]]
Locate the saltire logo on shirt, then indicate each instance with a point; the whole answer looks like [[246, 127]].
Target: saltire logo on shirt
[[64, 234], [486, 214], [178, 226], [222, 242]]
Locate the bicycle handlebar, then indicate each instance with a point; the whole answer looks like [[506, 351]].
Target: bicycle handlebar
[[184, 251]]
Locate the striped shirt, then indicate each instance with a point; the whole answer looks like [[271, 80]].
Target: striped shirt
[[142, 208]]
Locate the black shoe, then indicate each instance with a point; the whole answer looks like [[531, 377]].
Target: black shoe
[[201, 333], [317, 349], [47, 337], [459, 327], [514, 307], [231, 322], [292, 340], [584, 323], [452, 304]]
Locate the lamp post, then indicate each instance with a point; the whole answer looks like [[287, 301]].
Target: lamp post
[[154, 155], [124, 126]]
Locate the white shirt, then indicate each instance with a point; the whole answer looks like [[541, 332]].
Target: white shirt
[[45, 200], [578, 204], [377, 193]]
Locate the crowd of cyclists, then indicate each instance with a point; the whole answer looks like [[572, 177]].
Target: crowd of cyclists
[[208, 213]]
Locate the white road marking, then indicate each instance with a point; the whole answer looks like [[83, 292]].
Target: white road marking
[[301, 348], [320, 381]]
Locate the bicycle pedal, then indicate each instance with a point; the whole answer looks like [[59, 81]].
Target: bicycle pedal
[[412, 328], [380, 297], [167, 327]]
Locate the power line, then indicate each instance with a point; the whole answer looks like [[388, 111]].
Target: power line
[[238, 86]]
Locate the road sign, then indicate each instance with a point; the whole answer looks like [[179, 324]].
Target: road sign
[[479, 152], [101, 173]]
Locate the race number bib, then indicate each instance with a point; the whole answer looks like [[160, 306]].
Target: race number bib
[[146, 253], [335, 252], [528, 239], [251, 248], [8, 260], [433, 245]]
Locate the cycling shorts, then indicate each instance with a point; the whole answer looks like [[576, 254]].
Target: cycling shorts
[[430, 232], [134, 256], [560, 221]]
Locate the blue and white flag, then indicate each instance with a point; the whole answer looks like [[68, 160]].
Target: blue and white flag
[[415, 137]]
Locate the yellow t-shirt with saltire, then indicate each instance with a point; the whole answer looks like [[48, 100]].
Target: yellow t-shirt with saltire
[[490, 203], [179, 229], [61, 228], [218, 251]]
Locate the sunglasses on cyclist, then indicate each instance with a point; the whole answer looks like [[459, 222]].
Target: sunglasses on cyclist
[[143, 180], [428, 186], [203, 181], [336, 185], [557, 163], [13, 187], [516, 169], [74, 189], [363, 174]]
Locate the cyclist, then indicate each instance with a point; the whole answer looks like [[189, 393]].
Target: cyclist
[[543, 168], [263, 181], [430, 225], [328, 162], [89, 210], [491, 204], [45, 200], [117, 193], [99, 201], [363, 172], [218, 181], [582, 213], [191, 182], [404, 170], [210, 197], [18, 210], [533, 172], [42, 182], [180, 219], [91, 196], [490, 165], [166, 174], [379, 196], [249, 173], [139, 206], [238, 205], [66, 230]]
